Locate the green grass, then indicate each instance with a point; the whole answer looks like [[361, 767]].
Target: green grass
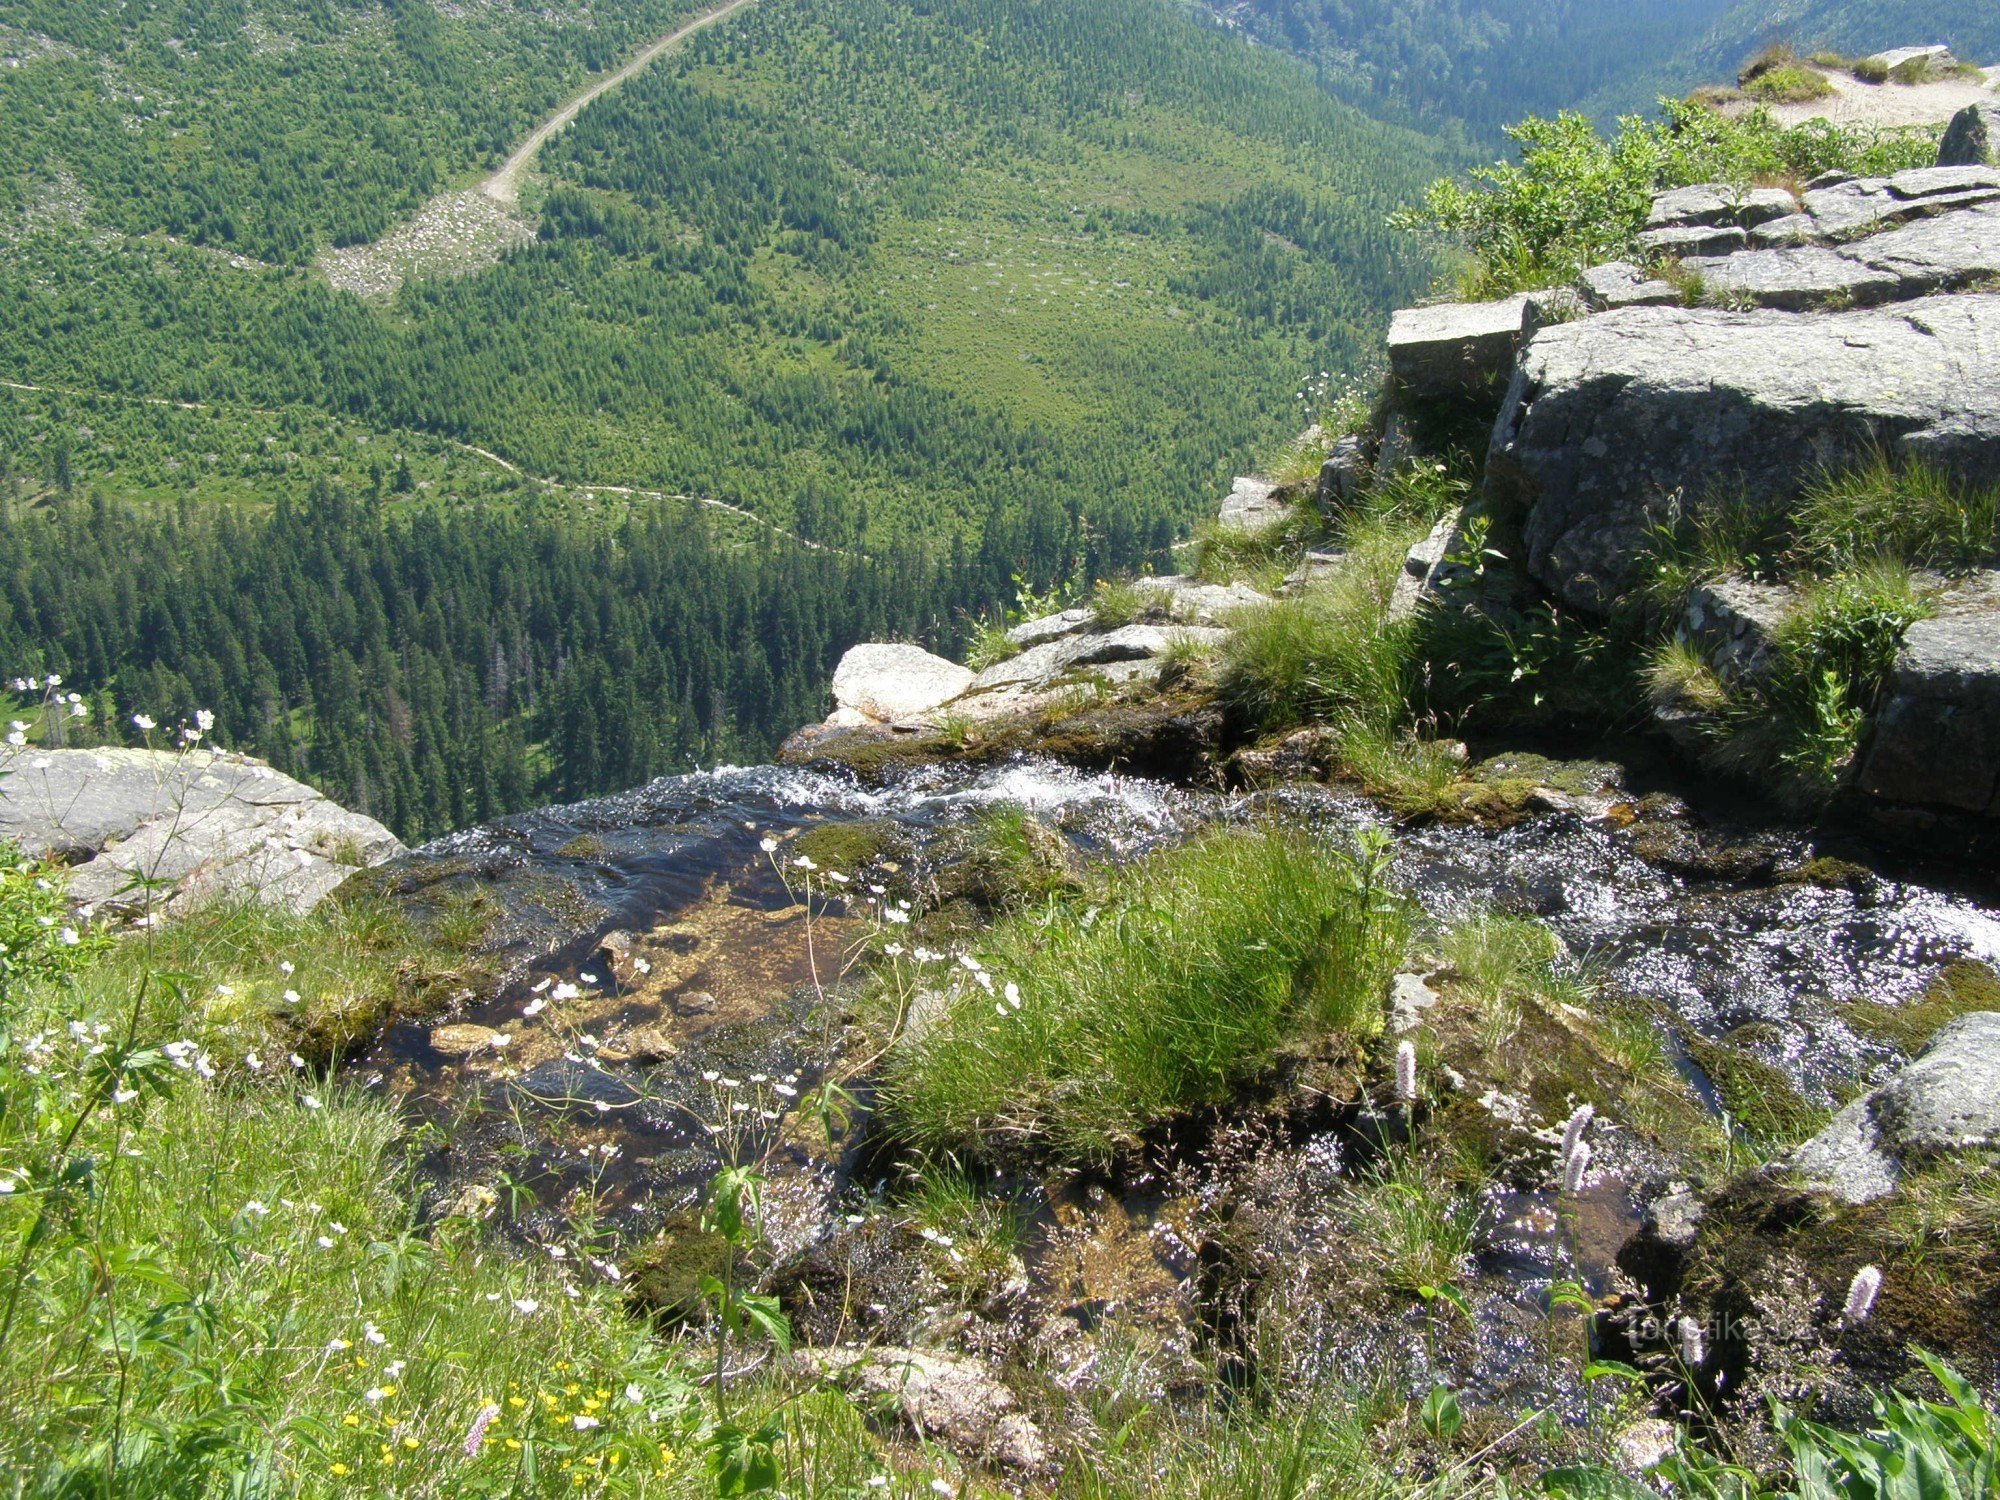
[[1177, 983], [1791, 83], [1415, 1231], [1910, 512], [220, 1284]]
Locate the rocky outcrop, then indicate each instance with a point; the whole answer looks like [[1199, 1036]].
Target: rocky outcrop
[[882, 683], [1619, 422], [1936, 740], [150, 830], [1947, 1101], [1454, 348]]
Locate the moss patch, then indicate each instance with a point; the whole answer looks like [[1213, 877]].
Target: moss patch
[[1758, 1096], [664, 1274], [1962, 988], [850, 847]]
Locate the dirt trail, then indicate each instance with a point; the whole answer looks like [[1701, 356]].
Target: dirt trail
[[504, 186], [464, 231]]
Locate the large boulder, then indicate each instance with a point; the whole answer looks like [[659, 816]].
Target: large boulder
[[1973, 137], [1454, 348], [1616, 423], [152, 830], [1947, 1101], [1936, 739], [884, 683]]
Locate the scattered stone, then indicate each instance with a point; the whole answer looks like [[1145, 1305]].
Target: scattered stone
[[1041, 666], [1936, 738], [1190, 601], [1693, 239], [1409, 997], [1049, 627], [885, 683], [1454, 348], [462, 1039], [1302, 755], [1901, 57], [1251, 505], [694, 1003], [1973, 138], [1423, 577], [1619, 283], [1735, 622], [1644, 1444], [209, 824], [614, 951], [955, 1400], [1344, 473], [1945, 1102], [1675, 1220], [644, 1044], [1717, 204]]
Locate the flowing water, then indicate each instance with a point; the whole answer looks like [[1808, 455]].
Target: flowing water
[[601, 1079]]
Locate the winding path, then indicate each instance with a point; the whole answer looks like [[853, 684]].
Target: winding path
[[504, 185]]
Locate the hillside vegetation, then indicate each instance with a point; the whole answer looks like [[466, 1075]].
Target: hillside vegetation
[[1016, 285], [1480, 64]]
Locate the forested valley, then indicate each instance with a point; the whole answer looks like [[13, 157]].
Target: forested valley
[[959, 292]]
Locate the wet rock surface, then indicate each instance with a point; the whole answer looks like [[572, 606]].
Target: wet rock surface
[[200, 825], [1947, 1101]]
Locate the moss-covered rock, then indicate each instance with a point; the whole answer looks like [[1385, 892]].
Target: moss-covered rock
[[1759, 1096], [663, 1274], [852, 847]]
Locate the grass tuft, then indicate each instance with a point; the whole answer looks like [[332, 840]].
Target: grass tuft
[[1181, 980]]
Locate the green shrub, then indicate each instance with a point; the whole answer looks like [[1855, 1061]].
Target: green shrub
[[1576, 199], [1175, 985], [1868, 70], [1916, 1446], [1794, 83], [1830, 659], [1117, 602]]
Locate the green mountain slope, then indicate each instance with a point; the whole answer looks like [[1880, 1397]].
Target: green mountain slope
[[1857, 27], [970, 288], [1480, 65]]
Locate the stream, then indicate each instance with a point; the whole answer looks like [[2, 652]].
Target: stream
[[661, 984]]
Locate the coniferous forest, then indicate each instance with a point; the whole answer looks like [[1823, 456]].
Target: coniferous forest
[[940, 296]]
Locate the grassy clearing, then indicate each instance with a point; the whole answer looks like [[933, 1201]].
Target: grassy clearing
[[1181, 980]]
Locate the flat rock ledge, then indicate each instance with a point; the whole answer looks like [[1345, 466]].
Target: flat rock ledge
[[205, 825], [1945, 1102]]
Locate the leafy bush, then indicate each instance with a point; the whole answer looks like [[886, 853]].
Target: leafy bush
[[1176, 984], [1918, 1447], [1577, 199]]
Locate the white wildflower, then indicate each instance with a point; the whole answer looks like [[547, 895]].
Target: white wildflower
[[1861, 1293]]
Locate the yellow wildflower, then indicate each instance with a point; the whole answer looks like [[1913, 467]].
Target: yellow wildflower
[[337, 1470]]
